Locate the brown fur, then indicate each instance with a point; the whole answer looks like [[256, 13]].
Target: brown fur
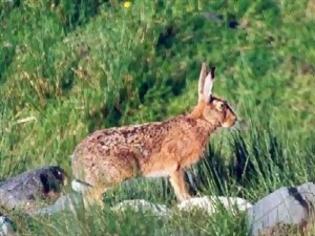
[[110, 156]]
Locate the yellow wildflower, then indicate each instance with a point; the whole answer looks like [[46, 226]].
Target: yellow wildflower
[[127, 4]]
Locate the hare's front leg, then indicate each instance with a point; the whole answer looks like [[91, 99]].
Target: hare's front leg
[[178, 183]]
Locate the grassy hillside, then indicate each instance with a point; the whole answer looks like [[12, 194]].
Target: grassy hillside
[[69, 67]]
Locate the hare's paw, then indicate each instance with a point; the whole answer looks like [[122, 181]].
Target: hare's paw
[[94, 196]]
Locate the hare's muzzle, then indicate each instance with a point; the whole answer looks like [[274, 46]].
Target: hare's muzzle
[[230, 119]]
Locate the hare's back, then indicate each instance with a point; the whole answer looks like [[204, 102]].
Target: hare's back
[[140, 138]]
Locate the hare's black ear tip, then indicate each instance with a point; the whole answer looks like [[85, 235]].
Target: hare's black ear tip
[[212, 70]]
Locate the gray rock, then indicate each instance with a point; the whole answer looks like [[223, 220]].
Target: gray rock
[[6, 226], [70, 202], [211, 204], [208, 203], [140, 205], [30, 190], [287, 206]]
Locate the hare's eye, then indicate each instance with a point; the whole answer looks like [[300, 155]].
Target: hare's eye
[[222, 106]]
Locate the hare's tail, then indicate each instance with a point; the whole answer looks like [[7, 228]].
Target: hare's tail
[[80, 186]]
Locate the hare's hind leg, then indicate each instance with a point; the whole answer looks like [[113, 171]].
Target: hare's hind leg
[[102, 173], [178, 183], [94, 195]]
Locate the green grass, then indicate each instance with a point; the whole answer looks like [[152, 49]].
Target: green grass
[[69, 67]]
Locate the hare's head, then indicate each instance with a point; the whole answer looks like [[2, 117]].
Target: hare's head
[[212, 109]]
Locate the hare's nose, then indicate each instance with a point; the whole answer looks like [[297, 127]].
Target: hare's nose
[[235, 120]]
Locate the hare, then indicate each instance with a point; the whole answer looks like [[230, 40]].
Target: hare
[[110, 156]]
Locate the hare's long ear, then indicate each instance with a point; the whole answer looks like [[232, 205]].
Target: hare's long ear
[[208, 84], [203, 73]]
